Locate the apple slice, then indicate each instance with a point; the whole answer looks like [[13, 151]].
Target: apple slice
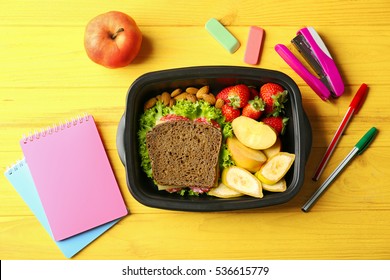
[[242, 180], [275, 168], [274, 149], [280, 186], [253, 134], [222, 191], [245, 157]]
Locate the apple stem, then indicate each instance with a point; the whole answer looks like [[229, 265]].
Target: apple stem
[[113, 36]]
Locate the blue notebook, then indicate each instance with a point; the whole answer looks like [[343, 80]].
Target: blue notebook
[[20, 177]]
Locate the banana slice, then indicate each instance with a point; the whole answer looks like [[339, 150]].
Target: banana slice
[[275, 168], [242, 181], [280, 186], [224, 192]]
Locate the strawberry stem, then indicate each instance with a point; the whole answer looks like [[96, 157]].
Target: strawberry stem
[[234, 101]]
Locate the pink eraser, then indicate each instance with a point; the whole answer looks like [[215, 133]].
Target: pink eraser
[[253, 45]]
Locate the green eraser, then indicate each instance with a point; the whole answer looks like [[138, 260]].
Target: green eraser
[[222, 35]]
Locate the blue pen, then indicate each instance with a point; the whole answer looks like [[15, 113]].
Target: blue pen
[[359, 148]]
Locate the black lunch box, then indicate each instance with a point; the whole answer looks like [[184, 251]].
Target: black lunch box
[[297, 139]]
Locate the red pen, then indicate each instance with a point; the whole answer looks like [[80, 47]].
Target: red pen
[[353, 108]]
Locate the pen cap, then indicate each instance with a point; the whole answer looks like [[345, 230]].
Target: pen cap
[[366, 140], [358, 100]]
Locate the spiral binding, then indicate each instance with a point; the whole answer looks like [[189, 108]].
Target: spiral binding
[[55, 128], [15, 167]]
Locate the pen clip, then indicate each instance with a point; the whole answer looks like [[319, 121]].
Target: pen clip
[[366, 140], [359, 98]]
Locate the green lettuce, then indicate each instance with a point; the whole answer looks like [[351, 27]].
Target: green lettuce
[[147, 122]]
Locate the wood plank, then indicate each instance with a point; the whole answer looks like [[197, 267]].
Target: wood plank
[[157, 13], [61, 51], [319, 235]]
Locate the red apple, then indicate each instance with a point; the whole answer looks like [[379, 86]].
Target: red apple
[[112, 39]]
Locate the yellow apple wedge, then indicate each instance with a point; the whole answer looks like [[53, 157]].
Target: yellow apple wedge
[[253, 134], [242, 180], [275, 168], [279, 186], [274, 149], [245, 157], [222, 191]]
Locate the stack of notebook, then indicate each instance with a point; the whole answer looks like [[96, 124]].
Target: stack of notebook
[[67, 181]]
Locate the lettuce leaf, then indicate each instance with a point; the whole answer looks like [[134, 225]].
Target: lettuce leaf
[[225, 159], [147, 122]]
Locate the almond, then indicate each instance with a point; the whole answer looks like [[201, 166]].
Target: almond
[[202, 91], [191, 97], [181, 96], [176, 92], [209, 98], [172, 102], [165, 97], [150, 103], [219, 103], [192, 90]]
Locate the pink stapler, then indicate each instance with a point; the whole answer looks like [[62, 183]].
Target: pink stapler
[[312, 48]]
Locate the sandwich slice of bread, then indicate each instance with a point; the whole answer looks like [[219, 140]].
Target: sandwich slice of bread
[[184, 153]]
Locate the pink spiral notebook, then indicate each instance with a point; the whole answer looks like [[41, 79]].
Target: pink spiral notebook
[[73, 177]]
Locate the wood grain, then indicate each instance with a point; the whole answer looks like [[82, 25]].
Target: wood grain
[[46, 77]]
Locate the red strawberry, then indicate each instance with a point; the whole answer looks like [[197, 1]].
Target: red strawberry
[[278, 123], [254, 109], [223, 94], [274, 97], [230, 113], [253, 93], [238, 96]]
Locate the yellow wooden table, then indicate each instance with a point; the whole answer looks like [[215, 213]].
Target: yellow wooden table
[[46, 77]]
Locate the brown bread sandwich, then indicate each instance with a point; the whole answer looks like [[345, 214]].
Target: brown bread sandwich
[[184, 153], [183, 147]]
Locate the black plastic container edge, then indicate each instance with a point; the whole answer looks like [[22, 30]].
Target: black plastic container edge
[[143, 88]]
